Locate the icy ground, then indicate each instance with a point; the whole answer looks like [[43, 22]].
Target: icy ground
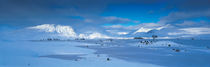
[[105, 53]]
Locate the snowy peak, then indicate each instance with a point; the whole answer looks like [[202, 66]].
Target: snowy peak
[[44, 27], [61, 30], [142, 29], [66, 31], [162, 27], [150, 30], [93, 35]]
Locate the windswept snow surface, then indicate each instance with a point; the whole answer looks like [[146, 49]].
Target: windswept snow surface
[[56, 54], [94, 53]]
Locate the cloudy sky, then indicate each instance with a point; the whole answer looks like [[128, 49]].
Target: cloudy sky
[[107, 18]]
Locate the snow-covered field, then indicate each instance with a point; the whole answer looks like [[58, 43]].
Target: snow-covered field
[[105, 53]]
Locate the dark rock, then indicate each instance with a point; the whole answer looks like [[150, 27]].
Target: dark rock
[[108, 59], [169, 45], [177, 50]]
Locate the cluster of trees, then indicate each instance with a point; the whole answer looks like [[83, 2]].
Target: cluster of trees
[[50, 39], [56, 39], [138, 38], [79, 38], [153, 36]]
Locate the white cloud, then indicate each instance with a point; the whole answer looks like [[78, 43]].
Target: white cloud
[[88, 20], [191, 31], [118, 32], [113, 18], [150, 25], [93, 35], [174, 16], [122, 33], [44, 27], [114, 26], [97, 35], [162, 27], [136, 27], [194, 24], [187, 23]]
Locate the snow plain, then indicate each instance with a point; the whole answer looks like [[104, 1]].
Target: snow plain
[[95, 53]]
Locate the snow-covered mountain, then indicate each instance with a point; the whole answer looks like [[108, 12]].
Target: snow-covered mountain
[[142, 29], [148, 32], [66, 31], [93, 35]]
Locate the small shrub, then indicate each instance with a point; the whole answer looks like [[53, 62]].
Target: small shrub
[[207, 47], [169, 45], [138, 38], [177, 50], [107, 59]]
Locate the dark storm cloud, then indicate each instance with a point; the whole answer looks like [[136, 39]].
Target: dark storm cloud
[[33, 12], [187, 10], [55, 6], [86, 15], [23, 12], [179, 17], [50, 7], [188, 5]]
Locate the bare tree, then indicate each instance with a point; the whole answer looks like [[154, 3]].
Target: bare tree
[[154, 36]]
